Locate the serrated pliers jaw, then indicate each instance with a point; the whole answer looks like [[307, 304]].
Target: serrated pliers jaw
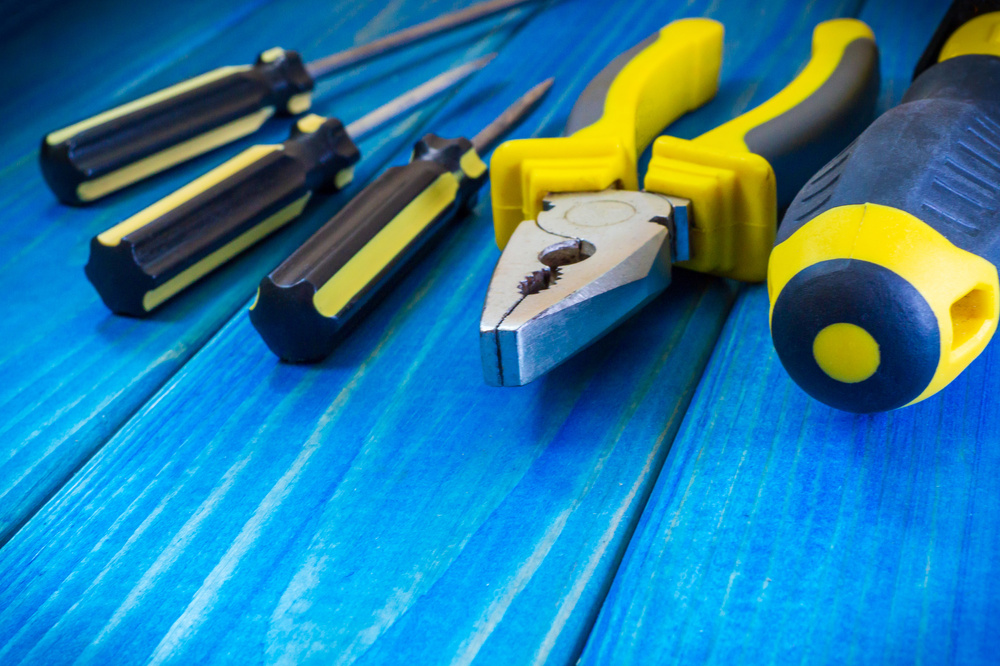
[[563, 281]]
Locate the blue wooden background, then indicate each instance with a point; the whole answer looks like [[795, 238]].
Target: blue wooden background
[[169, 492]]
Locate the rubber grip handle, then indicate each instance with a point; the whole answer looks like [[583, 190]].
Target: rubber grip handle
[[305, 305], [621, 110], [814, 117], [896, 241], [627, 100], [150, 257], [728, 174], [105, 153]]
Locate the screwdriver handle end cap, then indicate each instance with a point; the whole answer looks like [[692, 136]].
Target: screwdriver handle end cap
[[897, 238], [607, 131], [873, 309]]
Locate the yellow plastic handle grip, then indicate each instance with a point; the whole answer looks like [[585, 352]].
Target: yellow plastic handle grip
[[830, 41], [980, 36], [738, 174], [673, 72]]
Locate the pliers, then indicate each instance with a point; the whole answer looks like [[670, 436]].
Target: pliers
[[583, 249]]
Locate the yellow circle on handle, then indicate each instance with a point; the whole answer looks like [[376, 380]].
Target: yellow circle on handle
[[846, 352]]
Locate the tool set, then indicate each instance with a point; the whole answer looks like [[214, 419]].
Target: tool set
[[150, 257], [592, 250], [302, 307], [883, 280]]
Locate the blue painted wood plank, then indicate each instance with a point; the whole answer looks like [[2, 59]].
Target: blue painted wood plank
[[74, 372], [386, 505], [783, 531]]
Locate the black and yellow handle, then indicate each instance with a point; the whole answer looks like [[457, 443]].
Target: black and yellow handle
[[622, 109], [739, 175], [103, 154], [883, 282], [150, 257], [304, 306]]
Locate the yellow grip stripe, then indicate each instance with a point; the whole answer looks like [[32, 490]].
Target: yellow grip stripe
[[220, 136], [830, 39], [193, 273], [114, 235], [59, 136], [472, 164], [387, 244], [980, 36]]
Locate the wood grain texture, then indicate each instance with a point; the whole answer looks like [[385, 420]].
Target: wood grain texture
[[386, 506], [73, 372], [783, 531]]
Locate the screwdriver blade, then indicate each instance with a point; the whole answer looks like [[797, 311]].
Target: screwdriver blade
[[414, 98], [510, 117], [339, 61]]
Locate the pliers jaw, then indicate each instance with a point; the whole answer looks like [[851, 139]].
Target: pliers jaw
[[590, 261]]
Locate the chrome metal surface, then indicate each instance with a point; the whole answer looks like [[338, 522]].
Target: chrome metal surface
[[589, 262], [415, 97], [345, 59], [510, 117]]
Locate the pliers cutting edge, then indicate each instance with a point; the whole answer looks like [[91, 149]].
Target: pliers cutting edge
[[585, 249]]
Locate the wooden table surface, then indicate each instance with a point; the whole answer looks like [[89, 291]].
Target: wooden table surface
[[170, 493]]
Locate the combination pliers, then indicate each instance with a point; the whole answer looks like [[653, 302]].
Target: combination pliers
[[583, 248]]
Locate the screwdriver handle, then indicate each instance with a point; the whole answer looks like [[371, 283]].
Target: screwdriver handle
[[883, 283], [304, 306], [739, 174], [153, 255], [103, 154], [627, 104]]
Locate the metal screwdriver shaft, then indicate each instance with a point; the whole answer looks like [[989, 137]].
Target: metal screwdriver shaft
[[339, 61], [103, 154], [510, 117], [414, 98]]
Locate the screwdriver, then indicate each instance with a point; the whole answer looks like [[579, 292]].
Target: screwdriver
[[103, 154], [304, 306], [883, 282], [140, 263]]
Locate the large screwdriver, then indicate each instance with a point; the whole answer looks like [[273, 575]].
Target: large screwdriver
[[305, 305], [103, 154], [150, 257], [883, 283]]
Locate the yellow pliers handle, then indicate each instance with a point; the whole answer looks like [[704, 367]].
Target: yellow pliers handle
[[632, 100], [736, 176], [740, 174]]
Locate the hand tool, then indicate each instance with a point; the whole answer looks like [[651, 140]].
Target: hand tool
[[883, 283], [103, 154], [599, 251], [305, 305], [150, 257]]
